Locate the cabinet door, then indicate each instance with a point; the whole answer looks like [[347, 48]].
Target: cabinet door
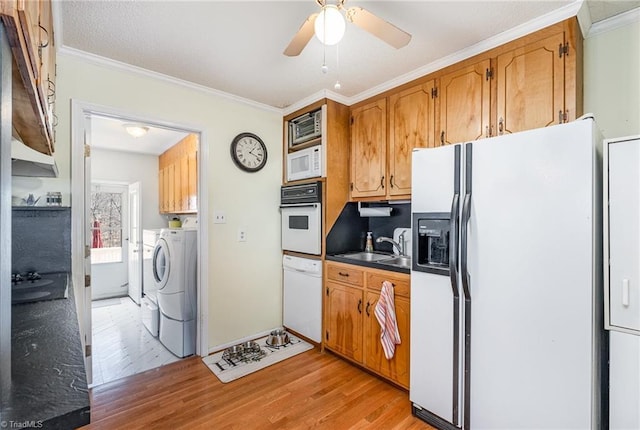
[[343, 320], [464, 104], [192, 188], [29, 17], [368, 150], [530, 86], [397, 368], [162, 191], [177, 185], [411, 125], [623, 235], [184, 182], [170, 187], [47, 63]]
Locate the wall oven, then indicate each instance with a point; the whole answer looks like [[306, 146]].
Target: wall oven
[[301, 210]]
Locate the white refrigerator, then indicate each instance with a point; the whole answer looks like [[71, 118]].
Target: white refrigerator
[[506, 284], [622, 278]]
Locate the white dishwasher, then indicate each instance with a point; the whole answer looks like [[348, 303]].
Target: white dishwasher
[[303, 296]]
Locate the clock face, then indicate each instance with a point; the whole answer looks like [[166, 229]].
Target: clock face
[[249, 152]]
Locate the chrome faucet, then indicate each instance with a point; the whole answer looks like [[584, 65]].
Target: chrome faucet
[[399, 246]]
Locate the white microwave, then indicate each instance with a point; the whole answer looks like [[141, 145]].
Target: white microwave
[[305, 163]]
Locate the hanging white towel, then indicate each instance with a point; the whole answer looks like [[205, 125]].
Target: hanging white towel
[[385, 311]]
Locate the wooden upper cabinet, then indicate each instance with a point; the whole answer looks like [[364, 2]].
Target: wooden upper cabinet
[[411, 125], [29, 30], [368, 149], [29, 16], [530, 86], [465, 103], [178, 177]]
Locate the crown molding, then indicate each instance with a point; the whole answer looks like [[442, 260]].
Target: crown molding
[[617, 21], [120, 66], [577, 9], [319, 95], [529, 27]]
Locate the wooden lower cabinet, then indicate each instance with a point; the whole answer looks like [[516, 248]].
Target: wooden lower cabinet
[[396, 369], [351, 327], [344, 327]]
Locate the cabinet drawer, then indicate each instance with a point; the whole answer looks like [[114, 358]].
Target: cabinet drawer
[[346, 274], [401, 285]]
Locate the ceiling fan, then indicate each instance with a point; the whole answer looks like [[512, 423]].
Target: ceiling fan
[[331, 14]]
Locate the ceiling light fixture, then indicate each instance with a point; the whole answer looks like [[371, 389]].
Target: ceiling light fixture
[[136, 130], [330, 25]]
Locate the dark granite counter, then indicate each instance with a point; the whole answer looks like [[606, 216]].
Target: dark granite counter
[[48, 386], [371, 264]]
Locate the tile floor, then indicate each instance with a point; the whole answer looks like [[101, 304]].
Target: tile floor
[[122, 346]]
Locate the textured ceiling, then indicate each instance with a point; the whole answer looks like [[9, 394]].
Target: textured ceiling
[[236, 46]]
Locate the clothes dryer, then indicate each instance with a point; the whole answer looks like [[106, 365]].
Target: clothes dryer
[[174, 273]]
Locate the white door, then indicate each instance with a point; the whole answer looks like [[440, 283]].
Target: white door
[[87, 233], [624, 235], [135, 244], [110, 241]]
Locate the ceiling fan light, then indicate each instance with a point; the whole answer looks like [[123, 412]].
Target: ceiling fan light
[[136, 130], [329, 25]]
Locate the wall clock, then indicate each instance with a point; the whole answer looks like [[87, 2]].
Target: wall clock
[[249, 152]]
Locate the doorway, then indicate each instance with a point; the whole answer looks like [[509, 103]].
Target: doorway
[[86, 120]]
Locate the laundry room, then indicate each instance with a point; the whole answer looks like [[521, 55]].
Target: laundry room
[[143, 187]]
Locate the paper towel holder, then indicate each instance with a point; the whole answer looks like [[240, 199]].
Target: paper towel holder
[[375, 211]]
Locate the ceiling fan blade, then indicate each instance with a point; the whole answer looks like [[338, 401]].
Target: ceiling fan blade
[[302, 37], [378, 27]]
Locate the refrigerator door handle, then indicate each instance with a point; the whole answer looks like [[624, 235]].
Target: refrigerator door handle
[[466, 215], [453, 241]]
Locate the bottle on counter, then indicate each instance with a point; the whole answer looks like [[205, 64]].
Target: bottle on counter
[[369, 245]]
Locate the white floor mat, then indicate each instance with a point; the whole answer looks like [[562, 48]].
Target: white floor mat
[[229, 370]]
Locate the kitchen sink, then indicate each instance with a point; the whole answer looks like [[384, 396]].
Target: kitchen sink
[[404, 262], [366, 256]]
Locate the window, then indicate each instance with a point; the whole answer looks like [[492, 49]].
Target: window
[[106, 215]]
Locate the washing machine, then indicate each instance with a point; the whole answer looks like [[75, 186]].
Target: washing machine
[[174, 273]]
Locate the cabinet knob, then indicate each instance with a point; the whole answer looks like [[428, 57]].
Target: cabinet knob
[[360, 306], [391, 181], [501, 126], [382, 182], [442, 138], [367, 309]]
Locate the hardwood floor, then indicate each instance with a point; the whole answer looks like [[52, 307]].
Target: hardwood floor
[[310, 390]]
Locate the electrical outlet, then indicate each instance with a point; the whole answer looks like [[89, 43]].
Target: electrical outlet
[[219, 217], [242, 235]]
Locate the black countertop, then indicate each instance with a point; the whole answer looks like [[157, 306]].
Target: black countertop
[[48, 379], [371, 264]]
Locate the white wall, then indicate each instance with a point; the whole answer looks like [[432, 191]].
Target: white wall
[[612, 75], [130, 167], [245, 277]]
